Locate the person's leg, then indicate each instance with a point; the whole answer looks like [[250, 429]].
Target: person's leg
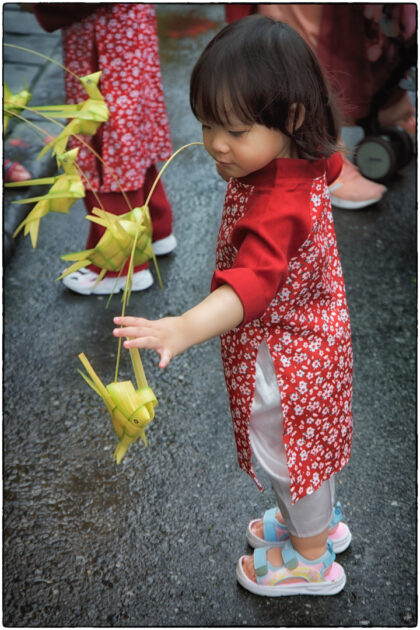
[[309, 518], [400, 113], [159, 206], [307, 521], [160, 214]]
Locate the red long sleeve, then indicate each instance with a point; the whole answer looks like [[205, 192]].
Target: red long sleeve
[[276, 223]]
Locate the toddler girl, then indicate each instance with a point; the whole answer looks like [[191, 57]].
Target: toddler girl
[[277, 297]]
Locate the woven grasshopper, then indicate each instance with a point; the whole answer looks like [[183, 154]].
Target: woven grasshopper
[[131, 409], [115, 247], [13, 103], [127, 237], [87, 115], [65, 190]]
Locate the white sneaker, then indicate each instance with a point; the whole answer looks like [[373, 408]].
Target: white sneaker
[[83, 281], [164, 245]]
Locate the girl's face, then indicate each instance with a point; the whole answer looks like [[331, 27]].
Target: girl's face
[[241, 148]]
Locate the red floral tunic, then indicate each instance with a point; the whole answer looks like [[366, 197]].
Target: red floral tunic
[[120, 40], [278, 251]]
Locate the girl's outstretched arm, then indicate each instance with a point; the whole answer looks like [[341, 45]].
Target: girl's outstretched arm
[[217, 313]]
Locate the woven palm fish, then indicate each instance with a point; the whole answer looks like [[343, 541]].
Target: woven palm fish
[[65, 190]]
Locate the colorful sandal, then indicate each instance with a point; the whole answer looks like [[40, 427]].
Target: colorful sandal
[[276, 534], [339, 534], [297, 576]]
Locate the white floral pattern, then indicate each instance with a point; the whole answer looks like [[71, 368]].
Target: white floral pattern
[[121, 41], [307, 329]]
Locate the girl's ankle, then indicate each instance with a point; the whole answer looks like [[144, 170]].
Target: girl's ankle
[[310, 548], [312, 554]]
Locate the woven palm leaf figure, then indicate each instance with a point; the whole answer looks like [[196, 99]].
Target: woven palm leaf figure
[[126, 235], [131, 409], [65, 190], [86, 116], [13, 103]]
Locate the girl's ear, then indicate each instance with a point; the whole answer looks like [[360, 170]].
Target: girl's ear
[[296, 117]]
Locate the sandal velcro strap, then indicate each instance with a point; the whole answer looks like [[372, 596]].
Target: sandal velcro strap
[[291, 558], [337, 515], [260, 561], [269, 525], [328, 558]]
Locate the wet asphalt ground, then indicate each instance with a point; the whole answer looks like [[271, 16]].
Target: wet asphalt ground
[[154, 541]]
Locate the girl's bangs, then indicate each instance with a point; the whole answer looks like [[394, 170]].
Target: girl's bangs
[[219, 96]]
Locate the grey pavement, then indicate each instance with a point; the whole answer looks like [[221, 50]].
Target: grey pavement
[[154, 541]]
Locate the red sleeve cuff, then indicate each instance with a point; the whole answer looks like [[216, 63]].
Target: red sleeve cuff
[[246, 284]]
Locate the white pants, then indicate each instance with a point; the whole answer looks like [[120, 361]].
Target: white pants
[[310, 515]]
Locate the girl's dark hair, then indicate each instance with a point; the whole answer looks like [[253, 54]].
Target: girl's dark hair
[[257, 68]]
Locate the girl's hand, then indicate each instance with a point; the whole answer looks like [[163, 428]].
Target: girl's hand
[[166, 336], [218, 312]]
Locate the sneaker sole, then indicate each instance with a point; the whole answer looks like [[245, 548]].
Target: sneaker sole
[[145, 283], [76, 288], [117, 286], [115, 289]]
